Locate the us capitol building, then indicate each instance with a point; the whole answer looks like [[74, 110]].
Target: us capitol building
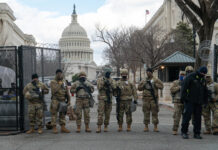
[[76, 52]]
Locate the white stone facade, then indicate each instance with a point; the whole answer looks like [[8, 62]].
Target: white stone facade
[[10, 34], [76, 52]]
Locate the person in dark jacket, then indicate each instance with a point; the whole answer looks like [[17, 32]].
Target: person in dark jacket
[[193, 95]]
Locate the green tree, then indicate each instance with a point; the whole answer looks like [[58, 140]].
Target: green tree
[[75, 77], [183, 38]]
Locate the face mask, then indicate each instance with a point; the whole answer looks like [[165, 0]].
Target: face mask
[[60, 77], [181, 78], [82, 79], [124, 77], [107, 74]]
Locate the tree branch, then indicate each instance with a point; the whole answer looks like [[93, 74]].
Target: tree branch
[[194, 7], [193, 19]]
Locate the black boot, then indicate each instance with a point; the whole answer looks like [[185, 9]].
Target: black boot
[[185, 136], [197, 136]]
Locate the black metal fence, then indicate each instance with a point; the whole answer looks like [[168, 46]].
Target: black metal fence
[[21, 63], [215, 62]]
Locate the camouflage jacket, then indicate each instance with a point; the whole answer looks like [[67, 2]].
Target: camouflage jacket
[[59, 90], [175, 91], [212, 91], [81, 93], [102, 88], [128, 90], [30, 94], [145, 87]]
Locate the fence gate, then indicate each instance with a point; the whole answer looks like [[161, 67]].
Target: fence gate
[[16, 68], [9, 93]]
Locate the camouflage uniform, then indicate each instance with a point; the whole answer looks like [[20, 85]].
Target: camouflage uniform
[[104, 107], [149, 104], [128, 92], [59, 93], [212, 106], [178, 106], [35, 104], [82, 101]]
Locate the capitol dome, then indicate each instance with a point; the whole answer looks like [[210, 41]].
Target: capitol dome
[[74, 29], [75, 49]]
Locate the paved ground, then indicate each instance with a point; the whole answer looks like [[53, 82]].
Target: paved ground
[[113, 140]]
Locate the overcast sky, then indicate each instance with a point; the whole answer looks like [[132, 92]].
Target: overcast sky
[[46, 19]]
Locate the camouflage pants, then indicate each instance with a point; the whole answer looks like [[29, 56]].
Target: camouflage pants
[[178, 110], [104, 110], [54, 113], [125, 108], [148, 107], [211, 107], [82, 105], [35, 112]]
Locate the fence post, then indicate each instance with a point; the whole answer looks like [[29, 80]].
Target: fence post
[[215, 63], [21, 86]]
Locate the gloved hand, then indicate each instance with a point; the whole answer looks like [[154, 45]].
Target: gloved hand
[[79, 88], [107, 83], [148, 81], [135, 102]]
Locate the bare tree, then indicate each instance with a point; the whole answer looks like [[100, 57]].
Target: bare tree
[[152, 45], [114, 39], [202, 16]]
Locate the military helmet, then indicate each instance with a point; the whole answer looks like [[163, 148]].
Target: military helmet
[[82, 74], [189, 68], [123, 72], [182, 73], [48, 125], [208, 75]]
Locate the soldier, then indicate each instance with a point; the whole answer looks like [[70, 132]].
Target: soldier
[[82, 89], [188, 70], [127, 93], [106, 87], [178, 106], [59, 95], [211, 106], [33, 92], [150, 87]]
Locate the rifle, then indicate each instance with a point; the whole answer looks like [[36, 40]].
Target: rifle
[[118, 102], [152, 92], [41, 95], [107, 83], [88, 90]]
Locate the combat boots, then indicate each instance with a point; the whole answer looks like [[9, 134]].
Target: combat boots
[[78, 129], [146, 129], [155, 128], [120, 128], [98, 129], [174, 132], [31, 130], [207, 132], [105, 128], [87, 128], [128, 128], [215, 131], [64, 129], [40, 130], [55, 131]]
